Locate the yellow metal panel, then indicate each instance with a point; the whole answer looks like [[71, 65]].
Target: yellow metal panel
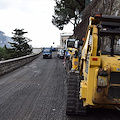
[[83, 90], [75, 63], [85, 48], [90, 85], [95, 40], [95, 61]]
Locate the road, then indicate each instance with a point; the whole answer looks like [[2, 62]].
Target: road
[[37, 91]]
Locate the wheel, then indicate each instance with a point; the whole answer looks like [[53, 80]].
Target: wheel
[[74, 105]]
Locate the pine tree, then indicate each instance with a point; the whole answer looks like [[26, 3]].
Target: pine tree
[[20, 46], [65, 12]]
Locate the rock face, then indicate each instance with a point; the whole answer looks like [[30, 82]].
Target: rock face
[[4, 40], [105, 7]]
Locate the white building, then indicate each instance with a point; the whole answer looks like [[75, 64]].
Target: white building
[[63, 37]]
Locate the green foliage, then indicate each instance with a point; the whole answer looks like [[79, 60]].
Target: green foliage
[[20, 46], [4, 54], [65, 10]]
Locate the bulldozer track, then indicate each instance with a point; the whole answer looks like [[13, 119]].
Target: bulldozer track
[[74, 105]]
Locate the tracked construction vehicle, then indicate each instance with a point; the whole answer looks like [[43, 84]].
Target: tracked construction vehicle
[[70, 48], [73, 50], [97, 83]]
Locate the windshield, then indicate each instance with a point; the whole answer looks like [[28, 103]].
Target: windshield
[[110, 45], [70, 43], [46, 50]]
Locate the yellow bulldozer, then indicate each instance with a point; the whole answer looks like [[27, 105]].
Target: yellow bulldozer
[[96, 84]]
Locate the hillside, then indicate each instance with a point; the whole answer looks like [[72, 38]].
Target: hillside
[[4, 40]]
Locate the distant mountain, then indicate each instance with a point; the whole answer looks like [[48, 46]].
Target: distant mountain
[[4, 40]]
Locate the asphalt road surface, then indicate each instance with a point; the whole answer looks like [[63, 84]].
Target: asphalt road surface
[[37, 91]]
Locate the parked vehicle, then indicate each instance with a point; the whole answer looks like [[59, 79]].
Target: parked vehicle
[[60, 53], [53, 49], [47, 52], [96, 84]]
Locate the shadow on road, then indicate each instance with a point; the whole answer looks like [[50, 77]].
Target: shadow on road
[[98, 114]]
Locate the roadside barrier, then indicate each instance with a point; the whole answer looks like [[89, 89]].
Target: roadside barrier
[[12, 64]]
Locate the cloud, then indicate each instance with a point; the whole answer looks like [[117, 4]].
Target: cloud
[[34, 16]]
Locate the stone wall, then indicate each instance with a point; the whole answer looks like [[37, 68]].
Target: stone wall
[[105, 7], [12, 64], [36, 50]]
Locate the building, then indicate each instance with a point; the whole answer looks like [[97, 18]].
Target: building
[[63, 37]]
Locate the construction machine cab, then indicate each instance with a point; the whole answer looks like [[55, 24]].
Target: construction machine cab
[[109, 36]]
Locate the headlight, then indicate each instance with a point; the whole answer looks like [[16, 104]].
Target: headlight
[[102, 81]]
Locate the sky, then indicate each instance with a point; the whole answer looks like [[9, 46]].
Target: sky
[[34, 16]]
